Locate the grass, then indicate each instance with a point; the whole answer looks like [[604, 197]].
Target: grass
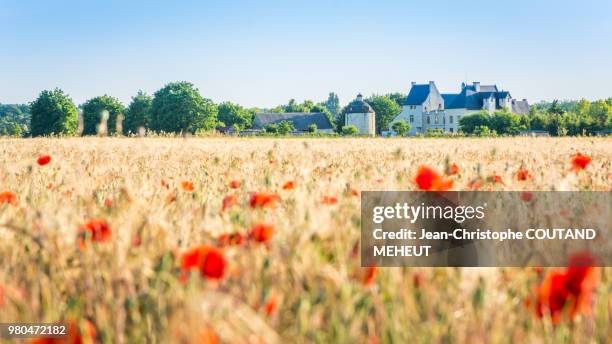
[[304, 284]]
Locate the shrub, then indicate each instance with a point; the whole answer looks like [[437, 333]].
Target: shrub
[[350, 130]]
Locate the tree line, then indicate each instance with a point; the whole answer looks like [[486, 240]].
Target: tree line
[[178, 107], [557, 118]]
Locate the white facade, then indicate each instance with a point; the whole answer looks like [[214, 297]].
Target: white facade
[[365, 122]]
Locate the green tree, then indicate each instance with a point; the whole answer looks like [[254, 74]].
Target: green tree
[[470, 122], [350, 130], [333, 105], [92, 113], [53, 112], [386, 110], [235, 115], [401, 127], [138, 113], [504, 122], [178, 107]]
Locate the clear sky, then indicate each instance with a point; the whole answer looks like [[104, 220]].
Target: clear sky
[[261, 53]]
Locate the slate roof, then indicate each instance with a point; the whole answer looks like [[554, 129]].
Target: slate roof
[[520, 107], [417, 94], [468, 98], [301, 120]]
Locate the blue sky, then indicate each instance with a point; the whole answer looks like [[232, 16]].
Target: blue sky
[[261, 53]]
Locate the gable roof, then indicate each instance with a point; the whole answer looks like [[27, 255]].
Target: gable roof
[[301, 120], [417, 94]]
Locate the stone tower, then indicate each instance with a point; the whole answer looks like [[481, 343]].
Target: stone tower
[[360, 114]]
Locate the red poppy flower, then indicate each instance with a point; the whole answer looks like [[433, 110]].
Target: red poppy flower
[[474, 184], [1, 296], [187, 186], [8, 198], [290, 185], [209, 260], [526, 196], [231, 239], [76, 333], [263, 200], [573, 287], [207, 336], [329, 200], [522, 174], [171, 198], [453, 170], [417, 279], [354, 192], [497, 179], [262, 232], [108, 203], [580, 161], [271, 305], [164, 184], [235, 184], [228, 202], [429, 180], [369, 276], [43, 160], [96, 230]]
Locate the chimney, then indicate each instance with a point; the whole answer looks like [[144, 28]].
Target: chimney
[[476, 86], [431, 83], [359, 97], [413, 83], [524, 99], [462, 85]]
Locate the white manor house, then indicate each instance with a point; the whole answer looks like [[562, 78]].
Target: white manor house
[[426, 108]]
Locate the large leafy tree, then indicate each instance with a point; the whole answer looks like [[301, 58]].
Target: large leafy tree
[[234, 115], [92, 113], [53, 112], [470, 122], [179, 108], [138, 113], [386, 110]]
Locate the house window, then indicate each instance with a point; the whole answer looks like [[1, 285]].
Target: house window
[[443, 120], [450, 119], [428, 120], [451, 129], [436, 119], [411, 118]]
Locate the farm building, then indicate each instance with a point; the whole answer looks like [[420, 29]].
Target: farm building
[[361, 115]]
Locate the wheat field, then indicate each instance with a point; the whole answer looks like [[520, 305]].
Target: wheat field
[[99, 236]]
